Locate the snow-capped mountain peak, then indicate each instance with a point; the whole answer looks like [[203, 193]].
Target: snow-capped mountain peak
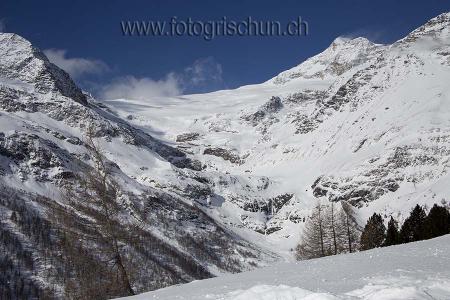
[[437, 27], [342, 55], [21, 61]]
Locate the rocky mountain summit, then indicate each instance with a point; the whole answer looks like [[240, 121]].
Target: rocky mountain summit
[[220, 182]]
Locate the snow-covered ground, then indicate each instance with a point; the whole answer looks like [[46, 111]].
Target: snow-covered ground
[[418, 270]]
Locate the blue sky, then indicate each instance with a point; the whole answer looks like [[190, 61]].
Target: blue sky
[[85, 38]]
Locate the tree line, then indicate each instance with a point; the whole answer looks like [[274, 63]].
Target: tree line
[[331, 229], [418, 226]]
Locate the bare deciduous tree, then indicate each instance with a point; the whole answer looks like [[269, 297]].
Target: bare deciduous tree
[[94, 195], [333, 226], [351, 233], [330, 230], [312, 243]]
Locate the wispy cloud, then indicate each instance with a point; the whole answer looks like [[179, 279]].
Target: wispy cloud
[[375, 36], [130, 87], [203, 75], [75, 66]]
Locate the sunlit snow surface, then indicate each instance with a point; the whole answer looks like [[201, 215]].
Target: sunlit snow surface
[[418, 270]]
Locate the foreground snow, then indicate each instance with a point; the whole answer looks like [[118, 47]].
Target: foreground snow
[[418, 270]]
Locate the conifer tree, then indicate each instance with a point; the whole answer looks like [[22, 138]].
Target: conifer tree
[[374, 233], [392, 234], [437, 222], [413, 228]]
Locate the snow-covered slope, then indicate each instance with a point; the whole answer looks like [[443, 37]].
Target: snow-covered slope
[[224, 181], [360, 122], [419, 270]]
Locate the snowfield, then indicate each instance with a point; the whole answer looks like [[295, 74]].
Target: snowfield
[[419, 270]]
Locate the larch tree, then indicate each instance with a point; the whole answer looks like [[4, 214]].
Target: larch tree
[[312, 243], [332, 224], [95, 194], [351, 234]]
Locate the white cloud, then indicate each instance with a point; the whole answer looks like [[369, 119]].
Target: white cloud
[[75, 66], [203, 75], [130, 87]]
